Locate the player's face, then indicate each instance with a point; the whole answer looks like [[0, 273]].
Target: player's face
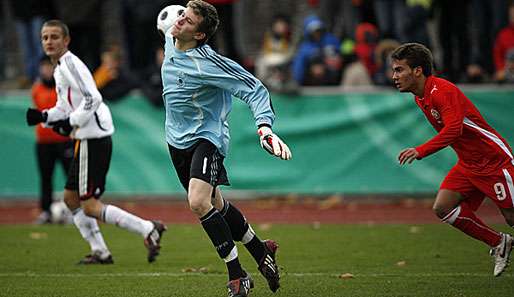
[[186, 26], [53, 41], [404, 78]]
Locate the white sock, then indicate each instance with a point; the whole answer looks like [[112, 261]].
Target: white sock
[[90, 231], [117, 216], [232, 255], [249, 235]]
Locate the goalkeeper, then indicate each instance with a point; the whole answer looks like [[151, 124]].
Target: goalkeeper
[[198, 85]]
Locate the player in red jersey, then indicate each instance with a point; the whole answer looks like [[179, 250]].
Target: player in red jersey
[[485, 164]]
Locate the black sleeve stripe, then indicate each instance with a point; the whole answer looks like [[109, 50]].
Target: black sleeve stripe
[[225, 67], [229, 72], [240, 74], [271, 105], [202, 52], [82, 87]]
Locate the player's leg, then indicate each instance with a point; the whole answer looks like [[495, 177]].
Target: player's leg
[[262, 251], [87, 226], [508, 214], [503, 251], [499, 187], [451, 209], [89, 229], [199, 197], [206, 164], [93, 171], [46, 164]]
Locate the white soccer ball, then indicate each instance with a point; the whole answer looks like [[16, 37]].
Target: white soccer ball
[[167, 17], [60, 213]]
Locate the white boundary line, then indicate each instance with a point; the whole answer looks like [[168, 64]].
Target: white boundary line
[[299, 275]]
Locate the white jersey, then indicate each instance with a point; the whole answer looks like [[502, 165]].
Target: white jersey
[[79, 99]]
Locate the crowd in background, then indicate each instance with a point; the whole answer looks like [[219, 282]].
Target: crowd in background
[[286, 43]]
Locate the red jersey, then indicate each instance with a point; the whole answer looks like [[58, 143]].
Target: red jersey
[[45, 97], [480, 149]]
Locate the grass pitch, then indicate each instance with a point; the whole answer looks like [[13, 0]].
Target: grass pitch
[[383, 260]]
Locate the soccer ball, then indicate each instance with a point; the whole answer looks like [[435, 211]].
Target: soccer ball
[[60, 213], [167, 17]]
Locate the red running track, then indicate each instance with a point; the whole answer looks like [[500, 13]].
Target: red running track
[[296, 211]]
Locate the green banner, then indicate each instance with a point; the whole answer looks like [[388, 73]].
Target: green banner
[[341, 143]]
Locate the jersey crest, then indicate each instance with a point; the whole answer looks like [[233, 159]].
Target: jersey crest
[[181, 79], [435, 115]]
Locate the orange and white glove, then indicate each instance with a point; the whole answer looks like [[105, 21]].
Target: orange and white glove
[[273, 144]]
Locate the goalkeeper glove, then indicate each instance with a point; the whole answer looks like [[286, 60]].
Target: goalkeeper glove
[[273, 144], [62, 127], [35, 116]]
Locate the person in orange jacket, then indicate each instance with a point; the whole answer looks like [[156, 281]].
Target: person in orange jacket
[[50, 146]]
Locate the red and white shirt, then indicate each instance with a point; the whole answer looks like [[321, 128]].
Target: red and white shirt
[[79, 99], [480, 149]]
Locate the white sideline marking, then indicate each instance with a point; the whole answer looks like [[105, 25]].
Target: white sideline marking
[[284, 274]]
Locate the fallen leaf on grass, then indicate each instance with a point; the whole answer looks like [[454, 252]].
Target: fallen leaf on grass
[[192, 269], [401, 263], [346, 276], [265, 226], [414, 229], [38, 235]]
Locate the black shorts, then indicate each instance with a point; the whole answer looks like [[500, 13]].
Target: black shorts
[[89, 167], [202, 161]]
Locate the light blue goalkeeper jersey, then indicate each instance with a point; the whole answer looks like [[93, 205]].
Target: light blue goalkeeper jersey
[[197, 88]]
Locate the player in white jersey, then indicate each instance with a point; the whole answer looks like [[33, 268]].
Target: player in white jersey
[[198, 85], [81, 114]]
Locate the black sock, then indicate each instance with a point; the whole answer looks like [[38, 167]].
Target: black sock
[[219, 233], [239, 227], [256, 248]]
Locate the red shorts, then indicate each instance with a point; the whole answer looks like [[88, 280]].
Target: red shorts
[[498, 186]]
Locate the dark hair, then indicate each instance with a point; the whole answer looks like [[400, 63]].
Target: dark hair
[[210, 20], [415, 55], [60, 24]]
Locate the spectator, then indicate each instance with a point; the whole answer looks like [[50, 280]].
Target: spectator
[[317, 45], [416, 16], [50, 147], [504, 42], [225, 38], [141, 37], [366, 41], [151, 80], [112, 80], [390, 15], [83, 21], [3, 25], [342, 16], [273, 63], [453, 37], [508, 72], [487, 19], [384, 74], [29, 17], [354, 72]]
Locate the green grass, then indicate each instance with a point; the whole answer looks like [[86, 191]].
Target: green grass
[[439, 261]]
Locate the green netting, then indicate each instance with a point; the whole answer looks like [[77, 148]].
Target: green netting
[[344, 143]]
